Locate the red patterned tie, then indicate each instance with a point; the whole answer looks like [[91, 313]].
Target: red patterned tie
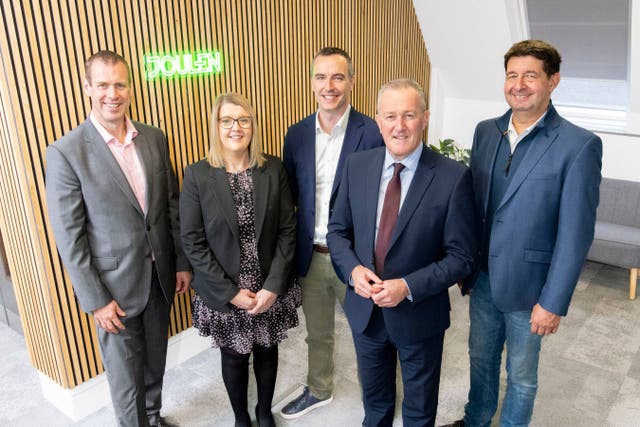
[[388, 218]]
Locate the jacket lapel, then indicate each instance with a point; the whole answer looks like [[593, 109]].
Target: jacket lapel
[[421, 180], [502, 124], [144, 154], [260, 197], [222, 191], [372, 189], [106, 159], [540, 144], [307, 154]]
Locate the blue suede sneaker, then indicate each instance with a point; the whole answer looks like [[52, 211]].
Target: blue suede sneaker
[[303, 404]]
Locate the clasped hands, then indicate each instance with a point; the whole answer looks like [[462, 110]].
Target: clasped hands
[[254, 302], [383, 293]]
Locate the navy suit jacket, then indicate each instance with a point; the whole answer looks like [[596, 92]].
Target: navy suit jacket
[[299, 158], [543, 227], [432, 247]]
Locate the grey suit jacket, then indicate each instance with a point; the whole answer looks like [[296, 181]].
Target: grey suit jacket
[[105, 240], [210, 234]]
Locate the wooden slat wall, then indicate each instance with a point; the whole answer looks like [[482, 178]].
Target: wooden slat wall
[[267, 49]]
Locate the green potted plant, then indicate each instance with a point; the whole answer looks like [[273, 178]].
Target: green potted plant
[[448, 148]]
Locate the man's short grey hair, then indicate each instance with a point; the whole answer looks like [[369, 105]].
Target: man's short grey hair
[[403, 84]]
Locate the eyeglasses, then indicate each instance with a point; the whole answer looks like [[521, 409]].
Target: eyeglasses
[[227, 122]]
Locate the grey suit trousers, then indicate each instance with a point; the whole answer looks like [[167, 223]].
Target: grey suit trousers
[[135, 360]]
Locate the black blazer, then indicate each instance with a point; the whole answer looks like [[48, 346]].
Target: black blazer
[[210, 234]]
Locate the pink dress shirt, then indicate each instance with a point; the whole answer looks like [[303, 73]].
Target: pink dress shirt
[[127, 158]]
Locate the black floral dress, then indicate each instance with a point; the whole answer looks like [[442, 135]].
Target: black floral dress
[[238, 329]]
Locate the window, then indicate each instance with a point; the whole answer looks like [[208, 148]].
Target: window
[[597, 40], [593, 39]]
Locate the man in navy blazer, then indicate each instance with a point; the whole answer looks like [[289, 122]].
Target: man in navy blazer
[[536, 179], [315, 150], [400, 308]]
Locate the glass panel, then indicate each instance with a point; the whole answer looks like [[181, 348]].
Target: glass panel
[[593, 39]]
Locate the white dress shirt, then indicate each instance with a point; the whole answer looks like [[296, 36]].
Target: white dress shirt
[[328, 149]]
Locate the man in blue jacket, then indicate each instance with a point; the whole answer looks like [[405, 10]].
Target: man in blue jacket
[[315, 150], [536, 179]]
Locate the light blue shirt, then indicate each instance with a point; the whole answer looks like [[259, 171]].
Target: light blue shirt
[[406, 176]]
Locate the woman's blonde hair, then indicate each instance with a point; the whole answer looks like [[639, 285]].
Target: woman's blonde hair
[[216, 154]]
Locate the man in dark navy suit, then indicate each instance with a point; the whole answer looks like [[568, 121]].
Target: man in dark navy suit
[[402, 232], [314, 154]]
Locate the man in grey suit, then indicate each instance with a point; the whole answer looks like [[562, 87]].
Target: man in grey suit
[[113, 205]]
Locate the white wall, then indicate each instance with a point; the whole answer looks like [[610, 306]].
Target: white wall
[[621, 156], [466, 41]]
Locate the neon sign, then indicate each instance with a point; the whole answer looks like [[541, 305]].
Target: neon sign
[[184, 64]]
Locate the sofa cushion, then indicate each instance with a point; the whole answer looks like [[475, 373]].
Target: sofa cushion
[[619, 202], [617, 233], [613, 253]]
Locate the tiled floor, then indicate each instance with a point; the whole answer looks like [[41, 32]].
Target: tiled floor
[[589, 371]]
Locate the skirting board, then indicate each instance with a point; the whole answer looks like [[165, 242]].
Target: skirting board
[[93, 395]]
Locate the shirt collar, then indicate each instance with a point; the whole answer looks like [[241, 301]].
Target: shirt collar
[[107, 136], [512, 130], [341, 124], [410, 162]]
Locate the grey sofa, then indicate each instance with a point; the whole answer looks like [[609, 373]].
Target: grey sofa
[[617, 234]]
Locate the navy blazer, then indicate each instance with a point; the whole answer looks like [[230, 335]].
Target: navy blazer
[[543, 227], [299, 158], [432, 246]]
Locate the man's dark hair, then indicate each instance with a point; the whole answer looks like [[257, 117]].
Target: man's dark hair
[[108, 57], [330, 50], [539, 49]]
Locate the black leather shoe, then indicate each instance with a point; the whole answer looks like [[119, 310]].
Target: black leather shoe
[[459, 423], [240, 423], [303, 404], [162, 422], [265, 419]]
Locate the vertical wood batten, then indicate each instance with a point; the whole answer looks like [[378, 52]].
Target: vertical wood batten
[[267, 48]]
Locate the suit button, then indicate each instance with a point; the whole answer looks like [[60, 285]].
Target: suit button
[[148, 227]]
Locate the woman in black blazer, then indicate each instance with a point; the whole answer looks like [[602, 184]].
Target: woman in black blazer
[[238, 230]]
